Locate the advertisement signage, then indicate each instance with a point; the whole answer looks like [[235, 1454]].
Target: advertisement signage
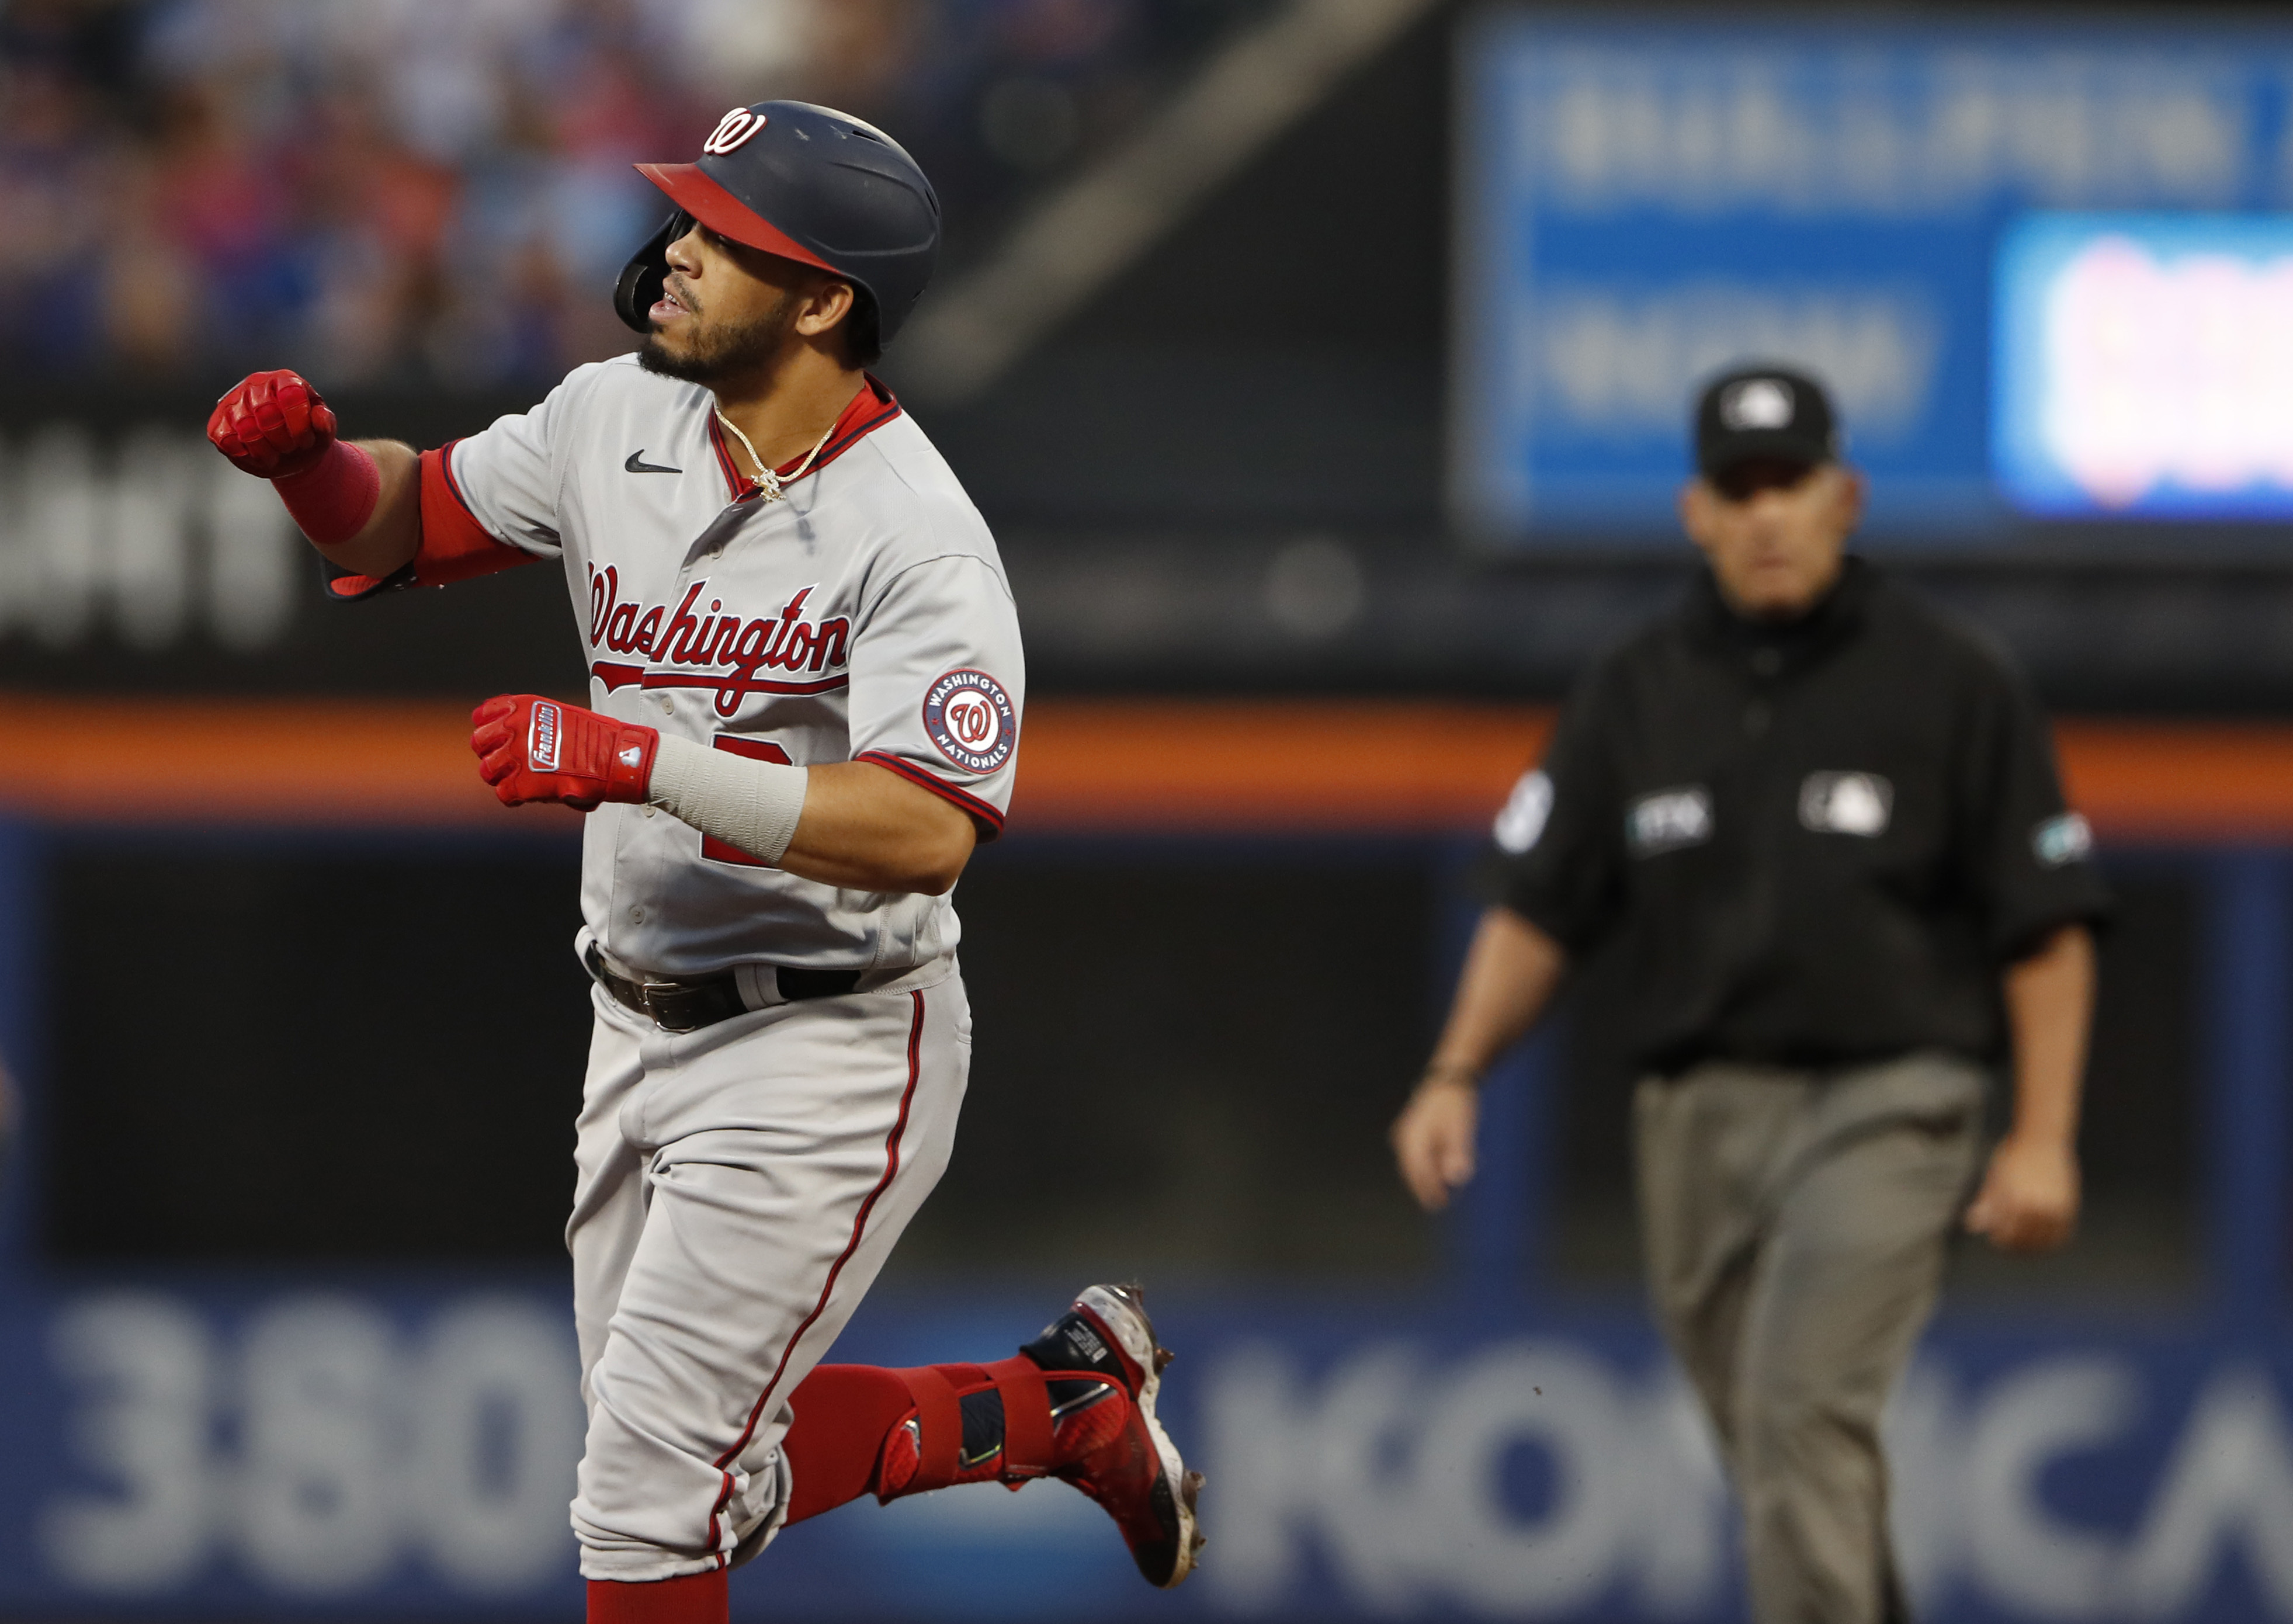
[[2146, 366], [317, 1449], [1641, 204]]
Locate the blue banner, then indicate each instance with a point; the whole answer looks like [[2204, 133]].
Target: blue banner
[[1644, 203], [310, 1448]]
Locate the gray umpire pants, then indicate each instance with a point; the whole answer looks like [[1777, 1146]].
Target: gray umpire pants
[[1795, 1224]]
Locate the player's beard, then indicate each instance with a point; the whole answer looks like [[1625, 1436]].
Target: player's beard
[[716, 353]]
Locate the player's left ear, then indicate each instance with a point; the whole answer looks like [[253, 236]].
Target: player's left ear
[[826, 303], [851, 314]]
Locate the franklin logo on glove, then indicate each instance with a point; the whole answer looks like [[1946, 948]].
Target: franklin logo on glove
[[541, 746]]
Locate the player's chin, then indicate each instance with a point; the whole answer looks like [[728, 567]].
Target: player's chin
[[669, 350]]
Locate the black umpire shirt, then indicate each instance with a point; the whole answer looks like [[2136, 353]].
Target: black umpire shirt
[[1820, 840]]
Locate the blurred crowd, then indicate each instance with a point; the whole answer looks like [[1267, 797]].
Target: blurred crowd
[[439, 192]]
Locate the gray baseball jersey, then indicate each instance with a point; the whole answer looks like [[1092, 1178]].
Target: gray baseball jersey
[[863, 616]]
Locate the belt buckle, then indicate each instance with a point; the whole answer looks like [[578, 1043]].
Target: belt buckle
[[670, 1012]]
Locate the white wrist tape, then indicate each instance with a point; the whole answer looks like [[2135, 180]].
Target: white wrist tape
[[751, 805]]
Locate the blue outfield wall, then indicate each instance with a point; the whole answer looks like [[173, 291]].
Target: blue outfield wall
[[201, 1445], [206, 1443]]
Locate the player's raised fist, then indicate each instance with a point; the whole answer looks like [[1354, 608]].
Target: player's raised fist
[[273, 424], [530, 748]]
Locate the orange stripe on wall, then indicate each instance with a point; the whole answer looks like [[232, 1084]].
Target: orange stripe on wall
[[1217, 765], [2181, 781], [302, 761], [1207, 766]]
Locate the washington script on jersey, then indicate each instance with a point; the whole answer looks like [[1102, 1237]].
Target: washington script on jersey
[[712, 640]]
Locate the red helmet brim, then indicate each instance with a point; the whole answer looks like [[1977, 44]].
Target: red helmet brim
[[725, 214]]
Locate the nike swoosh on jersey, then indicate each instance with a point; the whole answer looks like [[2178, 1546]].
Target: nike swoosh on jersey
[[637, 464]]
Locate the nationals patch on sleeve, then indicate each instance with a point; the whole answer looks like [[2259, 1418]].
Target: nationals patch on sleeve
[[969, 718]]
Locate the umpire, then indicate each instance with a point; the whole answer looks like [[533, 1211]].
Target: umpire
[[1821, 822]]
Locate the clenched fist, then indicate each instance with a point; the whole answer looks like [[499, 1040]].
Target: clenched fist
[[1433, 1137], [2029, 1201], [273, 424], [530, 748]]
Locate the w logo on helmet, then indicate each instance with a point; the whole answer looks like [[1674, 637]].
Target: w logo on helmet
[[734, 129]]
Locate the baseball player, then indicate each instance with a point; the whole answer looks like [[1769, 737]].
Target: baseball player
[[804, 696]]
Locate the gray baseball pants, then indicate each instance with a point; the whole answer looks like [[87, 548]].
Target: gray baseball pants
[[1795, 1224], [739, 1189]]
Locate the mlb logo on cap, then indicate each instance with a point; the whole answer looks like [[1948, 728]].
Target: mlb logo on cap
[[1764, 411], [1756, 403]]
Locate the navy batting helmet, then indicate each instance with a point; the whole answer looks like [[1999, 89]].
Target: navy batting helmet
[[810, 184]]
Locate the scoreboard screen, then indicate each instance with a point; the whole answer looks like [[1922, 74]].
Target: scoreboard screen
[[1643, 202], [2146, 366]]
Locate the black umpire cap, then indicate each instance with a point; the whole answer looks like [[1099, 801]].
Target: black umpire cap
[[1775, 412]]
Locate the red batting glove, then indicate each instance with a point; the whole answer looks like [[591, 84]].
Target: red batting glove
[[530, 748], [272, 426]]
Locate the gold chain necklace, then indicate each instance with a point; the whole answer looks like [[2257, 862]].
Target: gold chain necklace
[[774, 486]]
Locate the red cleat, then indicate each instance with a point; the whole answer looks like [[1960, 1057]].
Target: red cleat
[[1106, 1370]]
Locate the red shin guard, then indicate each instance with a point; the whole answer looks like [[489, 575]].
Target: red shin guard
[[938, 1392], [860, 1429], [334, 498], [697, 1598], [841, 1415]]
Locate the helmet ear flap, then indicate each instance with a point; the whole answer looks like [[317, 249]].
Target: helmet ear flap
[[640, 282]]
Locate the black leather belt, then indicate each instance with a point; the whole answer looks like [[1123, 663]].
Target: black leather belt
[[688, 1005]]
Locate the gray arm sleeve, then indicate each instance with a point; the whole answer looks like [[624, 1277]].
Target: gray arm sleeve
[[751, 805]]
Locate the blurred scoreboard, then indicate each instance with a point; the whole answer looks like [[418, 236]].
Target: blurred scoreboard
[[2145, 365], [2038, 265]]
